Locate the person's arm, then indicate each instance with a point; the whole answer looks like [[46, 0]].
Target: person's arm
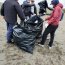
[[19, 11], [50, 8], [49, 17], [35, 10], [2, 10]]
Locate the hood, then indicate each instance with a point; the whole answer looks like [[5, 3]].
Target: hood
[[54, 2], [60, 5]]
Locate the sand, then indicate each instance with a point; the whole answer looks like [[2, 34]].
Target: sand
[[12, 55]]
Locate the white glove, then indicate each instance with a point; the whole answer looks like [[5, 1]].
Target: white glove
[[46, 25], [36, 21], [33, 15]]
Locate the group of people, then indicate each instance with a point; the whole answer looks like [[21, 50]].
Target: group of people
[[11, 9]]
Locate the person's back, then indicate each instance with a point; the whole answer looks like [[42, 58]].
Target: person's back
[[11, 9]]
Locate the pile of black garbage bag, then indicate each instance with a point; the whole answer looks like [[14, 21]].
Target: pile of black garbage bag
[[26, 33]]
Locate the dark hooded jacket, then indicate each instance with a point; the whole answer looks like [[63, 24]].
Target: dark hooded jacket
[[11, 9], [27, 8]]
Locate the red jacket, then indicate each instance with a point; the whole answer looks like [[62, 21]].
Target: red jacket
[[55, 15]]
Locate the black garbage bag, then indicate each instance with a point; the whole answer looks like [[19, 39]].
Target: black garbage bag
[[25, 35]]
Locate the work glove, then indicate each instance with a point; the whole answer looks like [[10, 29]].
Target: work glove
[[46, 25]]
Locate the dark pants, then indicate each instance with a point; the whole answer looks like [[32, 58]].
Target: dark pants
[[50, 29], [9, 32]]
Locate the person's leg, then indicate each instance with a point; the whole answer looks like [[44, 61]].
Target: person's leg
[[52, 33], [10, 33], [46, 32], [51, 39]]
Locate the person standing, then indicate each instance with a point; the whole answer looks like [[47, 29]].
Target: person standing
[[43, 6], [53, 23], [11, 9]]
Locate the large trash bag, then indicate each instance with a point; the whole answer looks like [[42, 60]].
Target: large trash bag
[[25, 34]]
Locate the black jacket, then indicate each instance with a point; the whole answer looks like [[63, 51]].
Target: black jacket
[[43, 5], [27, 8], [11, 9]]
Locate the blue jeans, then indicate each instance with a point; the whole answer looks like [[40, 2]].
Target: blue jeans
[[9, 32]]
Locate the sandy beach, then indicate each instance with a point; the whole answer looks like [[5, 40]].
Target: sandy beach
[[12, 55]]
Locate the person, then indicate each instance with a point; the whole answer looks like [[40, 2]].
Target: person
[[43, 5], [53, 23], [27, 8], [11, 9]]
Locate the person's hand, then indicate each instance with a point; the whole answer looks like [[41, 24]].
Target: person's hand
[[46, 25]]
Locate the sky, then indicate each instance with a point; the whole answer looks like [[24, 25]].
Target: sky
[[36, 1]]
